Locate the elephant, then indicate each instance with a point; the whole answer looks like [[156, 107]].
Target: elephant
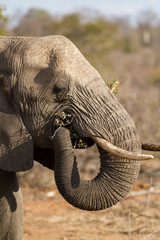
[[41, 77]]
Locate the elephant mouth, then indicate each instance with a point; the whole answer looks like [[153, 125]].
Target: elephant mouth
[[81, 143], [63, 119]]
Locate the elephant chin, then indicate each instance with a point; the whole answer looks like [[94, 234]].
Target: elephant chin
[[113, 182]]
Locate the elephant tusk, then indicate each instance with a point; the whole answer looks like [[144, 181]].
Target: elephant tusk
[[109, 147], [151, 147]]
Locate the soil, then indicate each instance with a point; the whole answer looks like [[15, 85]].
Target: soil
[[48, 216]]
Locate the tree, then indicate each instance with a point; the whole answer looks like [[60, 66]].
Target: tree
[[34, 23], [147, 23], [3, 21]]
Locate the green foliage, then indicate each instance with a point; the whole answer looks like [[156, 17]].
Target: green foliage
[[34, 23], [3, 20], [113, 85], [64, 120], [36, 13], [156, 76], [127, 46]]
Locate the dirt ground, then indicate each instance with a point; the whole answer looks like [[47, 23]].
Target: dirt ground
[[49, 217]]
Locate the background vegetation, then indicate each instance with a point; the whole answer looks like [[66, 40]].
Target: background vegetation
[[3, 20]]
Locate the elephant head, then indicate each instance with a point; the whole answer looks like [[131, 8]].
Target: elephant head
[[39, 79]]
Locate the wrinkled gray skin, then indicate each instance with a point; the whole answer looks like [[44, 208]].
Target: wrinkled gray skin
[[40, 77]]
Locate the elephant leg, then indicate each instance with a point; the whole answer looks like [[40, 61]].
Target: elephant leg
[[11, 207]]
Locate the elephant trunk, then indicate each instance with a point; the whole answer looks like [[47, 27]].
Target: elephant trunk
[[113, 182]]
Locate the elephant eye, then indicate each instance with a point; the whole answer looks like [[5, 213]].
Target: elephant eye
[[56, 89], [60, 92]]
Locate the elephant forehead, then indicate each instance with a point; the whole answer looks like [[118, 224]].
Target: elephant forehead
[[44, 51], [37, 55], [60, 53], [54, 51]]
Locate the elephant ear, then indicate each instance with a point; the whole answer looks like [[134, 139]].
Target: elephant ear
[[16, 145]]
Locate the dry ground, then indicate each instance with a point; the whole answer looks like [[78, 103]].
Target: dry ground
[[49, 217]]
